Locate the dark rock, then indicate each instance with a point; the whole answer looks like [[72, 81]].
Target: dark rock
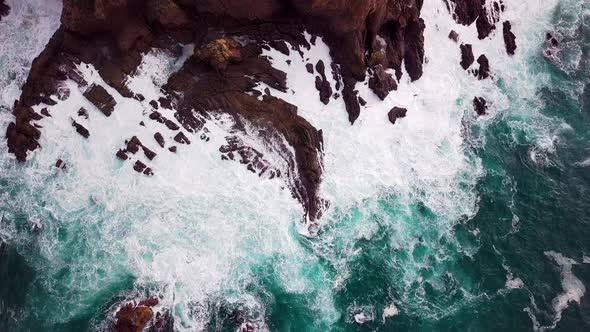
[[280, 46], [181, 138], [396, 113], [352, 103], [141, 123], [480, 105], [484, 67], [454, 36], [148, 153], [309, 68], [131, 317], [165, 102], [134, 144], [80, 129], [4, 9], [172, 149], [139, 97], [148, 171], [45, 112], [467, 57], [322, 84], [171, 125], [468, 11], [509, 38], [362, 102], [101, 99], [154, 104], [60, 164], [122, 155], [160, 139], [382, 82], [82, 112], [139, 166]]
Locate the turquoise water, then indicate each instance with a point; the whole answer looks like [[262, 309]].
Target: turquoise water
[[499, 262]]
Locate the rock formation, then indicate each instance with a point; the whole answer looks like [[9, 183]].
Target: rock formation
[[113, 36]]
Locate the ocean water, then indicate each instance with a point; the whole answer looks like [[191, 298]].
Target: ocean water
[[443, 222]]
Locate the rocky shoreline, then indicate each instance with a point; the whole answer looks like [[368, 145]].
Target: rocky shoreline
[[229, 39], [373, 39]]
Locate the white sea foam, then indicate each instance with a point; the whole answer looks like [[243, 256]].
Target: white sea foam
[[573, 290], [24, 33]]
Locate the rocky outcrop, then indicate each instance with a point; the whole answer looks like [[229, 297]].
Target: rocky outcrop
[[396, 113], [484, 67], [381, 82], [229, 37], [467, 12], [467, 57], [509, 38], [135, 317], [101, 99], [480, 105]]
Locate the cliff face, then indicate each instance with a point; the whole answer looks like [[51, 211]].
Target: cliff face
[[364, 36]]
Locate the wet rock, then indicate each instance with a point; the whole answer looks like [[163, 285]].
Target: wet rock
[[467, 12], [382, 82], [134, 144], [80, 129], [148, 153], [101, 99], [160, 139], [396, 113], [4, 9], [133, 318], [484, 67], [122, 155], [139, 166], [82, 112], [45, 112], [480, 105], [171, 125], [60, 164], [322, 84], [352, 103], [181, 138], [454, 36], [467, 57], [509, 38]]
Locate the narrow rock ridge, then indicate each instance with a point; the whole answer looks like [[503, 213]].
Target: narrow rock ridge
[[229, 38]]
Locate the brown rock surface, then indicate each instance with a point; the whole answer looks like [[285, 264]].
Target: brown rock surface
[[133, 318], [101, 99], [396, 113]]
